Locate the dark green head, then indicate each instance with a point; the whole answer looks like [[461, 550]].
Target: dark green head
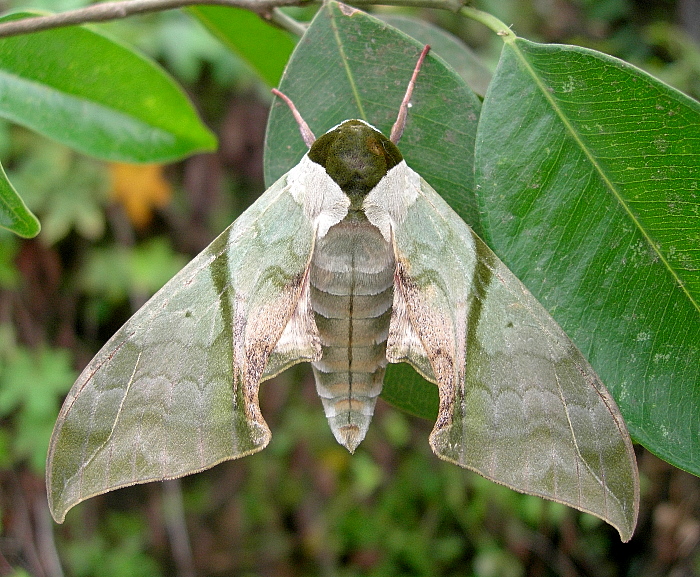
[[356, 156]]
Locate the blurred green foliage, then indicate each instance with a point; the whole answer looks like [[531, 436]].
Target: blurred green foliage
[[32, 384], [303, 506], [117, 549], [115, 272]]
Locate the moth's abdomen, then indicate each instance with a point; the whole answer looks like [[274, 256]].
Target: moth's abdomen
[[352, 289]]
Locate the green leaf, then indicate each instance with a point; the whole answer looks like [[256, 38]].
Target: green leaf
[[14, 214], [368, 81], [97, 96], [587, 174], [265, 48], [457, 54]]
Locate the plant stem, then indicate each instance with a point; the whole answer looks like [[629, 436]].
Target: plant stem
[[452, 5], [116, 10], [287, 22], [490, 21]]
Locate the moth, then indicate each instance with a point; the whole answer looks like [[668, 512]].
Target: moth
[[349, 261]]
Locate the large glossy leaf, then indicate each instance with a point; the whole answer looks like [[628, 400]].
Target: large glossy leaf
[[367, 79], [97, 96], [264, 47], [455, 52], [14, 214], [588, 177]]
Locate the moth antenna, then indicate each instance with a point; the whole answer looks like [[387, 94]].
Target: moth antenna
[[306, 133], [400, 124]]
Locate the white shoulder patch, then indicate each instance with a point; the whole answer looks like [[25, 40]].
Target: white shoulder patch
[[386, 206], [324, 203]]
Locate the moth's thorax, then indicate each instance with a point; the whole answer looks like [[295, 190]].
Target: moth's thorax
[[356, 156]]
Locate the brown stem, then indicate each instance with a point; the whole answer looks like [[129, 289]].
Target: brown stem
[[106, 11], [116, 10]]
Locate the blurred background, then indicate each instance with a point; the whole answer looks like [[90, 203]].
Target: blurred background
[[113, 234]]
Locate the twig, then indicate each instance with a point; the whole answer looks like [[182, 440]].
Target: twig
[[116, 10], [506, 34], [46, 545], [175, 525], [286, 22]]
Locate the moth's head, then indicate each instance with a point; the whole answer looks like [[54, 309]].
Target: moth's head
[[356, 156]]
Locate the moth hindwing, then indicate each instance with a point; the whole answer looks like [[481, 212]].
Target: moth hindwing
[[349, 261]]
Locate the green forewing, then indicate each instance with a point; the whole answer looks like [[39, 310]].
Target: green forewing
[[174, 391], [518, 402]]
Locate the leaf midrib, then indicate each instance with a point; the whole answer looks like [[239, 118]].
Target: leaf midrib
[[599, 169], [346, 65]]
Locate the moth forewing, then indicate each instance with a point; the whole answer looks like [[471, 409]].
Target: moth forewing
[[174, 391], [520, 405]]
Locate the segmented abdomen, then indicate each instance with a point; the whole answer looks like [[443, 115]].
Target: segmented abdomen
[[352, 290]]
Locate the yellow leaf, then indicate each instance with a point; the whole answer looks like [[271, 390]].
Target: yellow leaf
[[139, 188]]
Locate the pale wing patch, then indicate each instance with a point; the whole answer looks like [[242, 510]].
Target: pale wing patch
[[386, 206], [324, 203]]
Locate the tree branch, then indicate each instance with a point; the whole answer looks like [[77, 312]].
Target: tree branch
[[286, 22], [116, 10]]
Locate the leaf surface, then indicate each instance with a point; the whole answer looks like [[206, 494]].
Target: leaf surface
[[264, 47], [97, 96], [455, 52], [14, 214], [587, 177]]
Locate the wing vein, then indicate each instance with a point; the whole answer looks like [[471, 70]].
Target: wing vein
[[92, 457]]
